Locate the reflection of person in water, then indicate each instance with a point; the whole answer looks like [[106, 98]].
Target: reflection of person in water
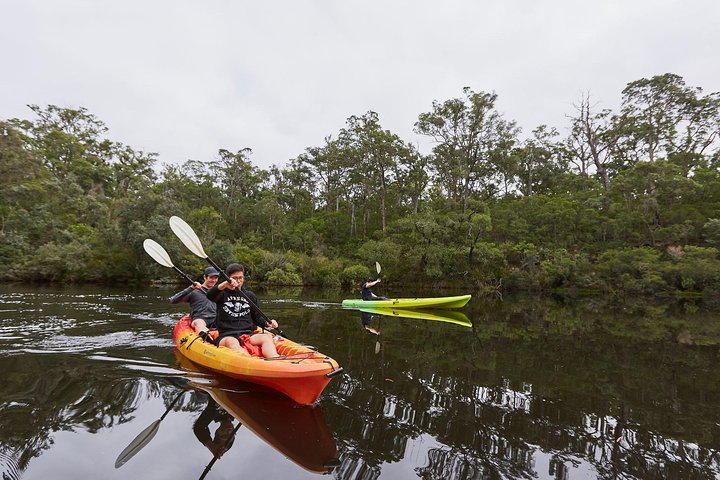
[[365, 318], [224, 435]]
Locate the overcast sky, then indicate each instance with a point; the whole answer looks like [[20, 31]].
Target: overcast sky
[[186, 78]]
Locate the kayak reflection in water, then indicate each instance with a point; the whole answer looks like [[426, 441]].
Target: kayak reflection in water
[[365, 319], [225, 433]]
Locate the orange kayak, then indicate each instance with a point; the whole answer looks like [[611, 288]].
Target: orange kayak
[[300, 372]]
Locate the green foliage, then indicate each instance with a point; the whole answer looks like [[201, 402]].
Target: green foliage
[[354, 275], [563, 269], [9, 255], [54, 262], [626, 204], [711, 232], [256, 260], [386, 252], [695, 268], [318, 270], [289, 276], [633, 270]]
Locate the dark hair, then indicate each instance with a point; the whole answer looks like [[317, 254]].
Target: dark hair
[[234, 268], [369, 279]]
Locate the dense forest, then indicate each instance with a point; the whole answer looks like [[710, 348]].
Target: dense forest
[[623, 202]]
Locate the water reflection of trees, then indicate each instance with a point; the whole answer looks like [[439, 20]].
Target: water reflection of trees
[[70, 394], [625, 395], [617, 394]]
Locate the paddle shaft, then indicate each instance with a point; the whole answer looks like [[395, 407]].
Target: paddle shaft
[[172, 404], [184, 275]]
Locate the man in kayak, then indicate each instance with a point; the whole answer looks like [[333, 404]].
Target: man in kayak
[[202, 310], [366, 293], [236, 319]]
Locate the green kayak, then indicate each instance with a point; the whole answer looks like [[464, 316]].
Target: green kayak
[[409, 303]]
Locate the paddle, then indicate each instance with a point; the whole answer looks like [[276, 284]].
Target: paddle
[[378, 268], [143, 437], [158, 253], [188, 237]]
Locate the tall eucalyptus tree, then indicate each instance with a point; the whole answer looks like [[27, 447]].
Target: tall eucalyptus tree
[[592, 139], [295, 188], [375, 154], [540, 162], [472, 140], [663, 118], [330, 168], [413, 177], [241, 183]]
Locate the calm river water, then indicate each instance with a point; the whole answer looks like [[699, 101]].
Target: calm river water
[[504, 389]]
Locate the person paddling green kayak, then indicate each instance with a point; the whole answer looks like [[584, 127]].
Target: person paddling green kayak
[[366, 293]]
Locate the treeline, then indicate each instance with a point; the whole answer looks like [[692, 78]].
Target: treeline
[[625, 201]]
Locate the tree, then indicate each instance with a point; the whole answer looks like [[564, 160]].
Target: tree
[[69, 142], [294, 188], [539, 162], [330, 167], [375, 155], [132, 171], [472, 139], [412, 178], [240, 182], [592, 139], [653, 199], [662, 117]]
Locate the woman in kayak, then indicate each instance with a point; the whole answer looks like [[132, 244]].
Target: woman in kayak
[[236, 320], [202, 310], [366, 293]]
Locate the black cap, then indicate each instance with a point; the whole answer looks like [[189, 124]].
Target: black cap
[[211, 272]]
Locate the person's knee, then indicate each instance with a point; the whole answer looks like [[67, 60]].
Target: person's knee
[[260, 338], [230, 342]]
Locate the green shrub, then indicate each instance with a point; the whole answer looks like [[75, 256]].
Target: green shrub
[[639, 270], [565, 269], [695, 269], [711, 232], [318, 269], [354, 275], [278, 276]]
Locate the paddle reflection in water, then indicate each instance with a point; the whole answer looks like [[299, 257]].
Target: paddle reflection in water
[[218, 445], [298, 432], [144, 437]]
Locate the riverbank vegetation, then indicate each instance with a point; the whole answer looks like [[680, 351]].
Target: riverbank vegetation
[[624, 201]]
